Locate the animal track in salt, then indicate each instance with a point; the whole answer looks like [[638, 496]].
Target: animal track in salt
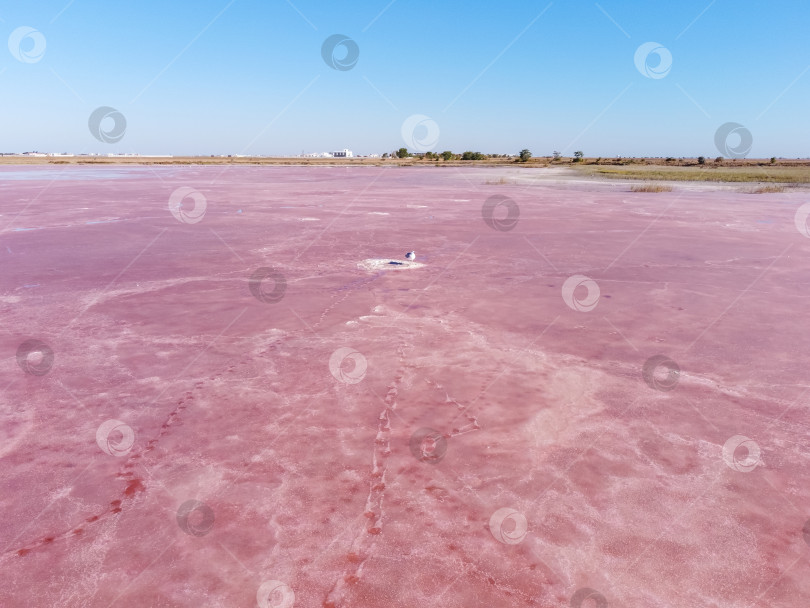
[[134, 484], [373, 511]]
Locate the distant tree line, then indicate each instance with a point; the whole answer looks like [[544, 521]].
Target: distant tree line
[[523, 156]]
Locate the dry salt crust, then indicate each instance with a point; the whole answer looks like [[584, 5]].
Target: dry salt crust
[[304, 457]]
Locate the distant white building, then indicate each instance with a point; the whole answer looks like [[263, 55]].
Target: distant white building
[[342, 154]]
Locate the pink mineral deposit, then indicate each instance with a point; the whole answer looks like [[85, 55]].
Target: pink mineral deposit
[[218, 391]]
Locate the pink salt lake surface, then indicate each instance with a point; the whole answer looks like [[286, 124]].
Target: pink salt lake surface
[[295, 424]]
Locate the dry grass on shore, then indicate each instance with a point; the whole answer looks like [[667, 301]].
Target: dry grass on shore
[[780, 174], [651, 188], [771, 189]]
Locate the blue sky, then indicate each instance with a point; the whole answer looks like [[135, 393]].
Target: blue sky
[[247, 76]]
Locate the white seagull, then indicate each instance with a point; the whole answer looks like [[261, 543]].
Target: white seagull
[[411, 255]]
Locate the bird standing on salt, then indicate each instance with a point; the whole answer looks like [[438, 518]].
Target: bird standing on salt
[[411, 255]]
